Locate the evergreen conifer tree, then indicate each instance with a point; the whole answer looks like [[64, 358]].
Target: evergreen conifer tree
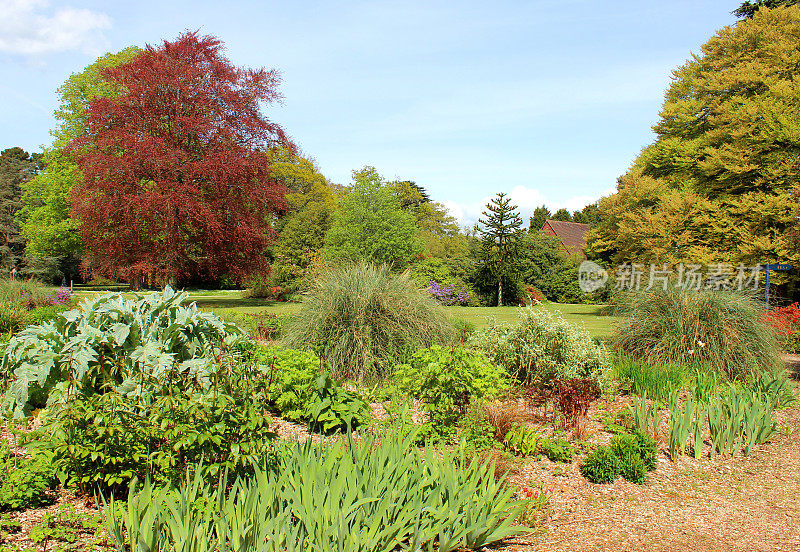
[[500, 231]]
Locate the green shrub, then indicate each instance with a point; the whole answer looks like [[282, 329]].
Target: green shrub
[[636, 444], [601, 466], [657, 382], [631, 467], [447, 379], [682, 326], [542, 346], [114, 342], [101, 281], [26, 482], [104, 441], [364, 319], [349, 496], [476, 431]]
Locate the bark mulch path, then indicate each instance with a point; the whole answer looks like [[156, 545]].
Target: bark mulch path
[[718, 504]]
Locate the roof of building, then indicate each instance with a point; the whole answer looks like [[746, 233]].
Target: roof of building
[[571, 234]]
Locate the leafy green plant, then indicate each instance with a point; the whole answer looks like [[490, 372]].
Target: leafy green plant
[[656, 382], [646, 415], [727, 330], [542, 346], [704, 383], [344, 496], [758, 425], [527, 441], [8, 526], [65, 528], [680, 424], [523, 440], [303, 390], [364, 319], [475, 429], [557, 450], [107, 440], [28, 483], [725, 416], [601, 466], [334, 408], [112, 342], [628, 447], [447, 379], [775, 390], [630, 455]]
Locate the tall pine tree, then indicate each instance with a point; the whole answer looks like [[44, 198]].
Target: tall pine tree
[[500, 231], [16, 168]]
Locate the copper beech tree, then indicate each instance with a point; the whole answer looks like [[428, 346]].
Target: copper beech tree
[[176, 168]]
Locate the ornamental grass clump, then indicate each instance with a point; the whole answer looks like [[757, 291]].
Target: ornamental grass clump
[[682, 326], [363, 319]]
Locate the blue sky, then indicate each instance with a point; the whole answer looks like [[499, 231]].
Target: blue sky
[[549, 101]]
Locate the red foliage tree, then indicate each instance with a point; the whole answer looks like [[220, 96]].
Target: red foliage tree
[[176, 168]]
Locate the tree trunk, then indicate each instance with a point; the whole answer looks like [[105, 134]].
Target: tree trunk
[[500, 292]]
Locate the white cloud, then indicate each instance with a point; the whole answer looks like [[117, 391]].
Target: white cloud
[[527, 199], [31, 27]]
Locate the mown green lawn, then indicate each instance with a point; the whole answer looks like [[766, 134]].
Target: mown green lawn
[[599, 325]]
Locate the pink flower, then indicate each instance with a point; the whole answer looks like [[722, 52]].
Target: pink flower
[[535, 493]]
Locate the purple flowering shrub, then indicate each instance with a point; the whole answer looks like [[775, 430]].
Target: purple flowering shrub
[[447, 295]]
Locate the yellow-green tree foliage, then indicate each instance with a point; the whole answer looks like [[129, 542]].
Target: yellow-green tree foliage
[[310, 203], [718, 184]]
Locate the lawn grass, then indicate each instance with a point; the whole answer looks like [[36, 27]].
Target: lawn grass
[[598, 325]]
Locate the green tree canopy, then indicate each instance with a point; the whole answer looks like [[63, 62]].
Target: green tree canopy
[[540, 216], [543, 265], [749, 9], [716, 185], [371, 225], [563, 215]]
